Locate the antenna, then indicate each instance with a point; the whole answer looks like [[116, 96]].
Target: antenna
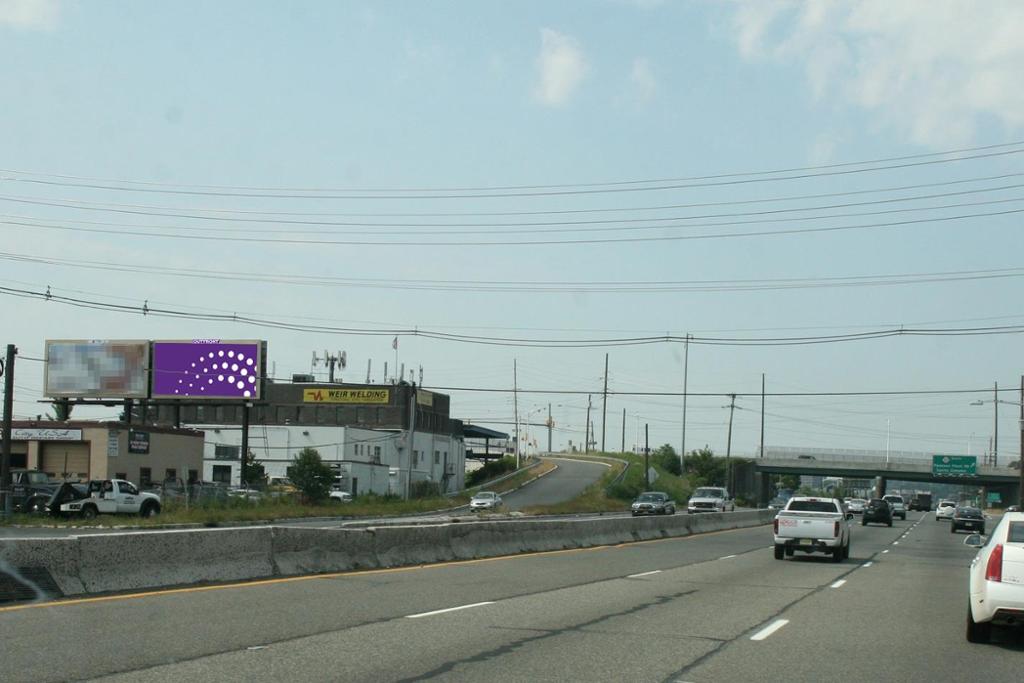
[[421, 375], [341, 358], [385, 372], [369, 364]]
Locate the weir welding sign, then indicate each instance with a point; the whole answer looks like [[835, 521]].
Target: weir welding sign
[[352, 396]]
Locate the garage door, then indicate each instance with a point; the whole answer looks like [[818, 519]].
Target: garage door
[[65, 461]]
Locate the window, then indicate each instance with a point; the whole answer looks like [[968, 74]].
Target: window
[[193, 476], [322, 415], [226, 452], [200, 413], [360, 415], [812, 506], [170, 473], [145, 477], [284, 414], [306, 415], [415, 458], [120, 475], [380, 416], [222, 474], [376, 453], [127, 488], [437, 457], [1016, 533]]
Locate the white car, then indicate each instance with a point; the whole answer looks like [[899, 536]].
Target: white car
[[997, 579], [857, 505], [899, 508], [485, 500], [104, 496], [945, 510], [710, 499], [339, 496]]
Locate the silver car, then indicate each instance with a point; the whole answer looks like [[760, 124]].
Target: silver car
[[485, 500]]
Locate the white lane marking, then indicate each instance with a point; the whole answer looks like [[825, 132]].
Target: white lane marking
[[895, 542], [727, 557], [450, 609], [839, 583], [637, 576], [867, 564], [769, 629], [885, 551]]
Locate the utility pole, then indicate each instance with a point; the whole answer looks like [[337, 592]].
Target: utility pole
[[995, 428], [686, 369], [515, 404], [762, 415], [647, 465], [411, 443], [1020, 463], [604, 407], [245, 443], [550, 425], [623, 430], [5, 454], [728, 445], [586, 439]]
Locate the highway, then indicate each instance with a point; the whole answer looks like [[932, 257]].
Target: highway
[[714, 607]]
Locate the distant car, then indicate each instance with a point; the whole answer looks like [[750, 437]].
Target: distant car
[[777, 503], [710, 499], [970, 518], [1012, 508], [945, 510], [338, 494], [246, 493], [857, 505], [653, 503], [485, 500], [899, 508], [996, 588], [878, 511], [281, 486]]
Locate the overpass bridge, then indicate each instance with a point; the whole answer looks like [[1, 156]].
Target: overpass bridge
[[866, 464]]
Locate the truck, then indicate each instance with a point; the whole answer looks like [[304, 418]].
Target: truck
[[31, 490], [921, 501], [710, 499], [103, 496], [812, 525]]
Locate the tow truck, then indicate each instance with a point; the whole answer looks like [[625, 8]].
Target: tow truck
[[103, 496]]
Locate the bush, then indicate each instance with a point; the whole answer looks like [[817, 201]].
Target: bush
[[490, 470], [667, 459], [311, 476], [424, 489]]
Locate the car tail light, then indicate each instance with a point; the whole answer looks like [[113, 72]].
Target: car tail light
[[994, 569], [835, 529], [775, 525]]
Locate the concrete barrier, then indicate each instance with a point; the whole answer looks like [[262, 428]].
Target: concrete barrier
[[106, 563]]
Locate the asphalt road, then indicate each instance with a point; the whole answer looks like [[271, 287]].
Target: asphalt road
[[669, 610], [558, 486]]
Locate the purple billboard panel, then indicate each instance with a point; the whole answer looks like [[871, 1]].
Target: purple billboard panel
[[207, 368]]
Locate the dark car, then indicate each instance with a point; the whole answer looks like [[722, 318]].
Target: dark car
[[653, 503], [877, 511], [31, 490], [970, 518]]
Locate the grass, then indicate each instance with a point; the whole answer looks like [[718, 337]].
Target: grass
[[240, 510]]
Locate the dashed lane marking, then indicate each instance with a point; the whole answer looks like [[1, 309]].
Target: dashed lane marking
[[449, 609], [769, 629], [637, 576], [839, 583]]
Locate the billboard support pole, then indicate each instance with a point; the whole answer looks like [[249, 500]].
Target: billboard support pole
[[245, 442], [5, 455]]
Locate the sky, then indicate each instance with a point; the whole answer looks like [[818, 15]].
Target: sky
[[539, 173]]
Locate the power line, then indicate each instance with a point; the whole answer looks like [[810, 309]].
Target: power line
[[523, 243], [795, 173]]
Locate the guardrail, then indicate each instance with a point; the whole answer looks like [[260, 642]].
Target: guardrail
[[103, 563]]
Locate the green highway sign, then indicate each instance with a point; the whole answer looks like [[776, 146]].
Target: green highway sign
[[954, 466]]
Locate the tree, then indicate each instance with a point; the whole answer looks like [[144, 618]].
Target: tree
[[666, 458], [61, 410], [790, 482], [311, 476], [252, 470], [705, 469]]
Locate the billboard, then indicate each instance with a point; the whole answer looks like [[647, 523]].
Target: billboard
[[207, 369], [352, 396], [96, 369]]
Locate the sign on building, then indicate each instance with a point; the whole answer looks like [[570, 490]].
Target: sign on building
[[351, 396], [954, 466], [138, 442], [42, 434]]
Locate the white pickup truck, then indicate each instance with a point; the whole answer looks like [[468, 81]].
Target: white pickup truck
[[813, 525], [104, 496]]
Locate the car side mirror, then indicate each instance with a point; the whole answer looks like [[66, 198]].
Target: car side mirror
[[974, 541]]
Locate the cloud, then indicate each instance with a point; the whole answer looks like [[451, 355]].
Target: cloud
[[933, 70], [645, 85], [561, 66], [29, 14]]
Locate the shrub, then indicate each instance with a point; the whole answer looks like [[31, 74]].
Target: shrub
[[490, 470], [311, 476]]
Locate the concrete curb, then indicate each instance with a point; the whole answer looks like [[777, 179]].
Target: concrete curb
[[106, 563]]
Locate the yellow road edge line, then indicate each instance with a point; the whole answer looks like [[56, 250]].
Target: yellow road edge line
[[335, 575]]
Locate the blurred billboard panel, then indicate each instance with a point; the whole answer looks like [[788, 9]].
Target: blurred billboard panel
[[96, 369], [207, 369]]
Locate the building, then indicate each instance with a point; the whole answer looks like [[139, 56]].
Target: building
[[79, 450], [361, 430]]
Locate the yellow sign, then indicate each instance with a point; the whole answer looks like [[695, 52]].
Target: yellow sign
[[373, 396]]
